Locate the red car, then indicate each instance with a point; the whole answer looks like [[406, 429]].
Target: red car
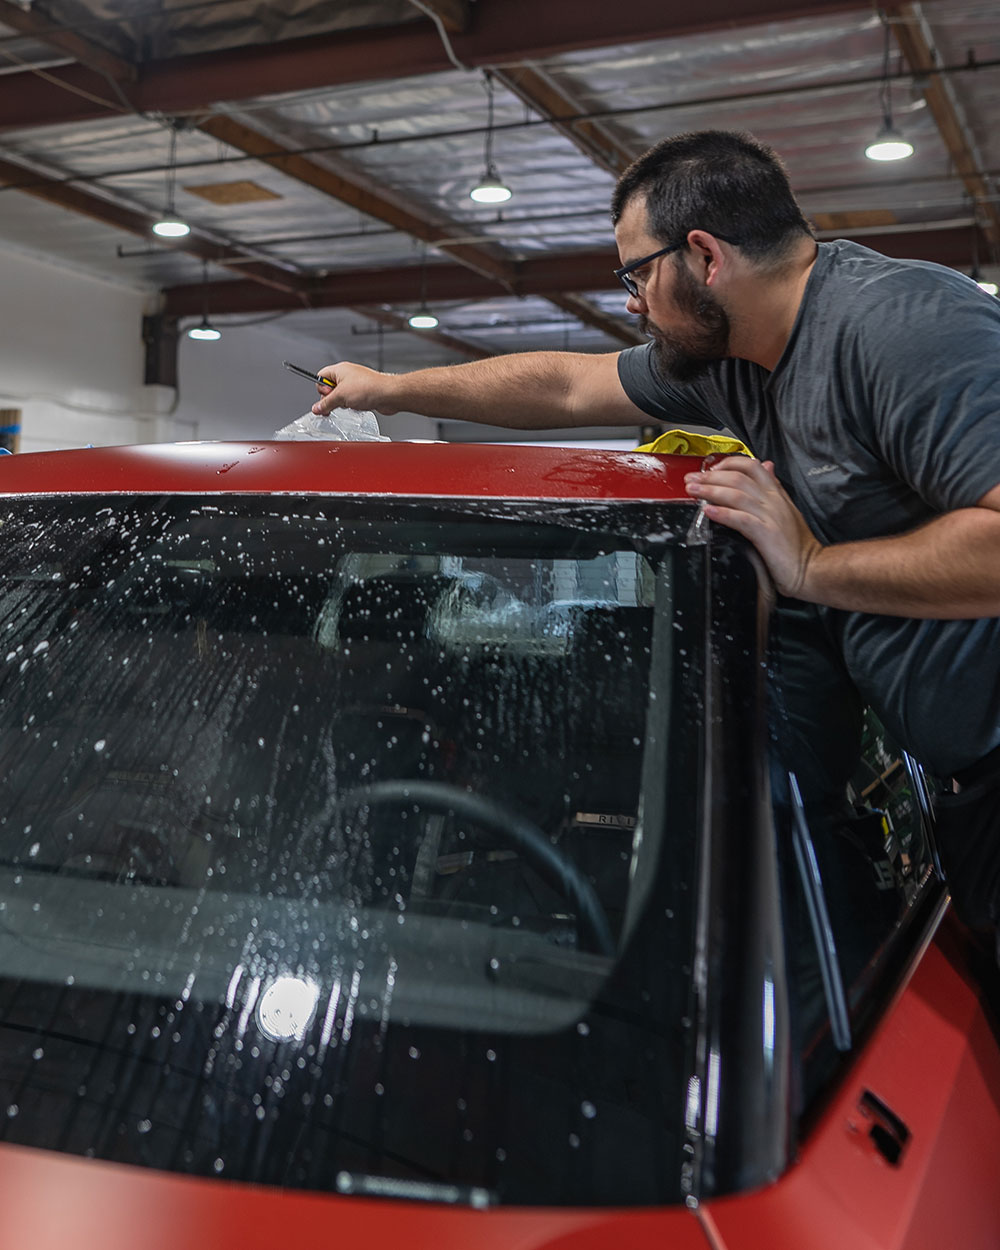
[[398, 845]]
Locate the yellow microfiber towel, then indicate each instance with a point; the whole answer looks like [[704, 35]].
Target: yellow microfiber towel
[[684, 443]]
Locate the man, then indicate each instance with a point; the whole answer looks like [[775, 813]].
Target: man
[[870, 391]]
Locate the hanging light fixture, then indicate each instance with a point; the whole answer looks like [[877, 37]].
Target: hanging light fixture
[[170, 225], [490, 189], [423, 318], [889, 144], [204, 332]]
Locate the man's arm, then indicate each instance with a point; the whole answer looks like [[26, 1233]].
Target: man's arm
[[947, 569], [528, 390]]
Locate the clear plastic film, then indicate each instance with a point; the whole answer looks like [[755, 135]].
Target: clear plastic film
[[341, 425]]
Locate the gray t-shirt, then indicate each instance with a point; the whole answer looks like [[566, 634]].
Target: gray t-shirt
[[882, 413]]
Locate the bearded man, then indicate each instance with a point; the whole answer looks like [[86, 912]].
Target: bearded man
[[869, 391]]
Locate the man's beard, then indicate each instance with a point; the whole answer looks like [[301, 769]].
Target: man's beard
[[684, 357]]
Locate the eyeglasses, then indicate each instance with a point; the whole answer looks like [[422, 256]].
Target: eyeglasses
[[624, 273]]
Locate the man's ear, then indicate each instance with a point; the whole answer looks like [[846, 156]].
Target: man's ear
[[708, 254]]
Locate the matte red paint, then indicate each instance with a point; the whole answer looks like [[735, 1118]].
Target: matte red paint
[[934, 1061], [439, 469], [55, 1202]]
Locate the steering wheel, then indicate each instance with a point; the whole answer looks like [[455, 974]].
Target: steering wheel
[[512, 828]]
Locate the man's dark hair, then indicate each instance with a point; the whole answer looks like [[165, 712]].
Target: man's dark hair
[[722, 181]]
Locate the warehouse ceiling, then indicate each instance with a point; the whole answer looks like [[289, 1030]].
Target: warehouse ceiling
[[323, 153]]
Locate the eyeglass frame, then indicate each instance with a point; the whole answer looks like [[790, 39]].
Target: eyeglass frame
[[630, 284]]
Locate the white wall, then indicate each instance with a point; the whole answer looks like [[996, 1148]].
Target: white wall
[[72, 359]]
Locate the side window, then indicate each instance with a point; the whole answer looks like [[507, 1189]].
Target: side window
[[887, 786], [874, 858], [872, 855]]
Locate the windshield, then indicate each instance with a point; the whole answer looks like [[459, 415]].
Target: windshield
[[331, 843]]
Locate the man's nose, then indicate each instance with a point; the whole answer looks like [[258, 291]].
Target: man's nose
[[636, 304]]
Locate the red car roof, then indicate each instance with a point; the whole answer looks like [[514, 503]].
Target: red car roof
[[440, 469]]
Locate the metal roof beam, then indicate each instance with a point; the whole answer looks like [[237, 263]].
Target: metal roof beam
[[393, 321], [544, 276], [139, 223], [491, 271], [88, 54], [592, 316], [351, 187], [595, 139], [917, 44], [502, 32], [550, 276]]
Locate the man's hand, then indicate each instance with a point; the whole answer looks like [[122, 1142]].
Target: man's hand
[[354, 386], [745, 495], [946, 569]]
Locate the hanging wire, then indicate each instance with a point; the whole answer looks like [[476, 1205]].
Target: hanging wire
[[204, 289], [172, 169], [436, 18], [423, 314], [885, 87], [488, 145]]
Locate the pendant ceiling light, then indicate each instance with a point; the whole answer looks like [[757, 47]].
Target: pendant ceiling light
[[889, 144], [204, 332], [491, 188], [170, 225], [423, 318]]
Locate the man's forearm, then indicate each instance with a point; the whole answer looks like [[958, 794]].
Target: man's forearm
[[527, 391], [947, 569], [530, 390]]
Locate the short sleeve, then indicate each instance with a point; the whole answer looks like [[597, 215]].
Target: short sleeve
[[660, 399]]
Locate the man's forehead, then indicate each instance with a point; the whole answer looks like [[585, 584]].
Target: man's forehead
[[634, 211], [632, 228]]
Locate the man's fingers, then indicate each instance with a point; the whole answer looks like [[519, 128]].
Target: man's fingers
[[741, 466], [325, 404], [705, 485], [735, 496]]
